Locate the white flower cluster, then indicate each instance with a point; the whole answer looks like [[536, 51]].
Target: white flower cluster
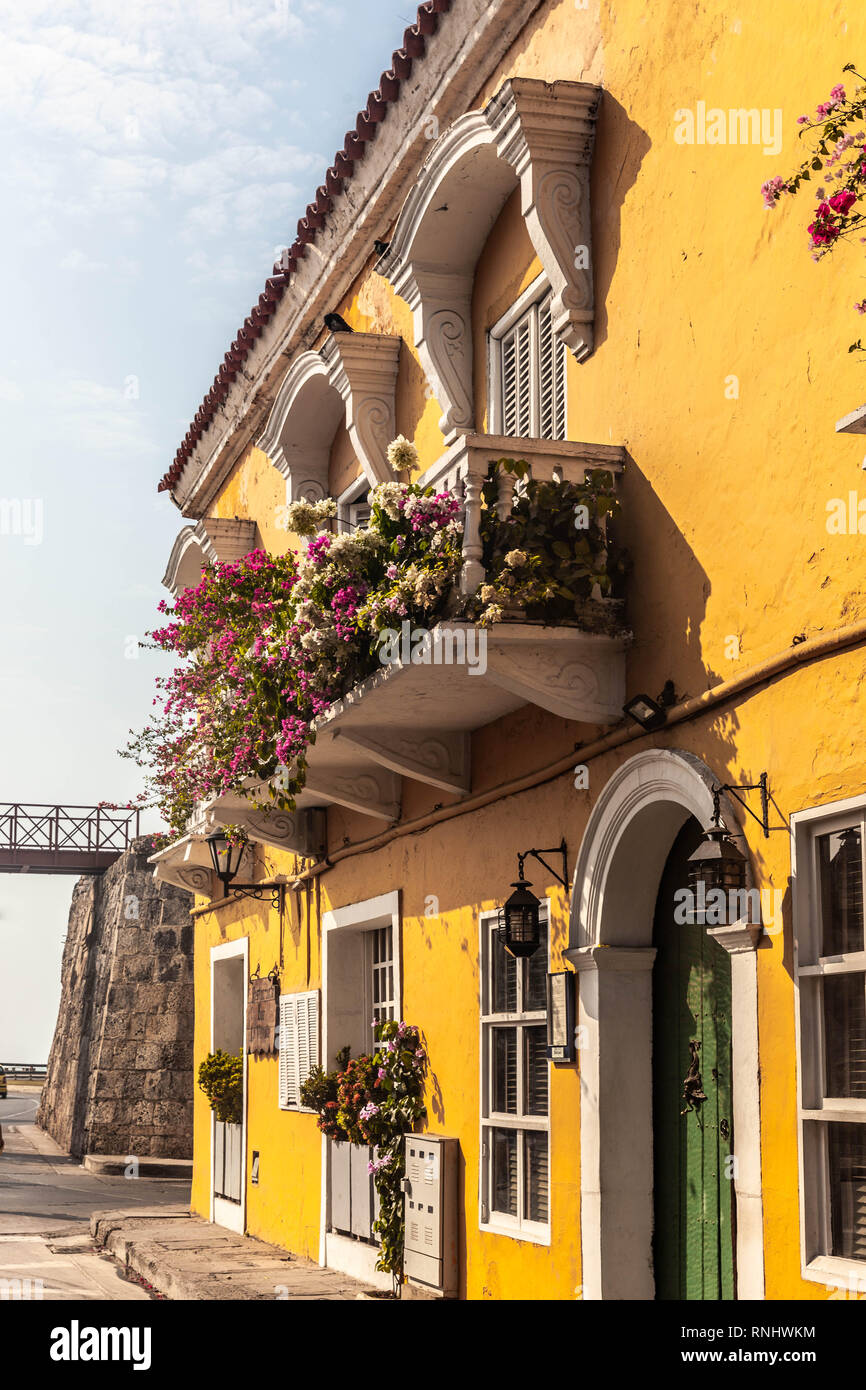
[[515, 558], [402, 454], [306, 518], [388, 496]]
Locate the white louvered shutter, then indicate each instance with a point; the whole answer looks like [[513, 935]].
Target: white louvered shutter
[[288, 1050], [299, 1044], [532, 376], [551, 375], [517, 380], [308, 1052]]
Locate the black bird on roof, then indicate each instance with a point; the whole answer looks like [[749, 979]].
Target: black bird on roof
[[380, 247], [335, 323]]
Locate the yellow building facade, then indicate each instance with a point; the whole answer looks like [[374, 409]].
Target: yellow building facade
[[532, 167]]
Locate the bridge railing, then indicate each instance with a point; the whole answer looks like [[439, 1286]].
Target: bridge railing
[[55, 828], [24, 1071]]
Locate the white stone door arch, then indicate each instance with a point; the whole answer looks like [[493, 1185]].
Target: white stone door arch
[[628, 838]]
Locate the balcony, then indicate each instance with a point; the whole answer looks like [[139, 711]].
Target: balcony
[[414, 718]]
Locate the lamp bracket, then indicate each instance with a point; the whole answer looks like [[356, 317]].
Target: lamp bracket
[[537, 854], [760, 786], [258, 891]]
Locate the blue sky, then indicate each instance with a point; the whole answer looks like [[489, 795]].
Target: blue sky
[[156, 157]]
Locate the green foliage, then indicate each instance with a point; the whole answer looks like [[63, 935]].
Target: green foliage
[[221, 1077], [374, 1100], [548, 555]]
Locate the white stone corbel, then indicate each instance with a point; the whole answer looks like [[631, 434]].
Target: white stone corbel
[[372, 791], [532, 134], [213, 540], [437, 757], [363, 368], [225, 539], [577, 675], [546, 132], [441, 304]]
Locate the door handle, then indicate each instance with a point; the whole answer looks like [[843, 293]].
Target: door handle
[[693, 1086]]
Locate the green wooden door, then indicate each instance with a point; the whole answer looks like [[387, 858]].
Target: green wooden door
[[693, 1237]]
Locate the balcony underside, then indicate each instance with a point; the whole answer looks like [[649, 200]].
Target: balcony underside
[[414, 719]]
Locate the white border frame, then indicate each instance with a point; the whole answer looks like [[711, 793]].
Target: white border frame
[[627, 839], [532, 295], [338, 1252], [224, 1213], [832, 1271], [532, 1231]]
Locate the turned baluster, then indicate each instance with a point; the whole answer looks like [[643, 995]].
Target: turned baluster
[[472, 573]]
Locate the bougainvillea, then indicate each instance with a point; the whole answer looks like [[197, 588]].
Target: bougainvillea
[[270, 642], [837, 157]]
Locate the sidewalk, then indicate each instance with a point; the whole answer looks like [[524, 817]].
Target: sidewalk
[[186, 1257]]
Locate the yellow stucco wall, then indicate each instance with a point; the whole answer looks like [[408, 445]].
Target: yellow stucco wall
[[724, 507]]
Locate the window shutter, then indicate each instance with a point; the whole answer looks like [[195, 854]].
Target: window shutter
[[299, 1044], [311, 1017], [517, 381], [288, 1050], [532, 376], [551, 366]]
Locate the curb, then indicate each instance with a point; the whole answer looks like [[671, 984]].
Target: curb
[[115, 1165]]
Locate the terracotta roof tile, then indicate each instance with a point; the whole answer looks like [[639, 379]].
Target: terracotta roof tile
[[343, 168]]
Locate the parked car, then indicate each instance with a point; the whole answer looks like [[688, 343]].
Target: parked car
[[3, 1087]]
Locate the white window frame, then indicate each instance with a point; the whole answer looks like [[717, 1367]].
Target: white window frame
[[814, 1110], [528, 301], [496, 1222], [384, 910], [385, 1007], [306, 1057], [349, 502]]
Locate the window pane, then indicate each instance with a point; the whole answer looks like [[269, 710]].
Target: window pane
[[505, 1071], [504, 1143], [847, 1151], [840, 866], [535, 974], [504, 966], [535, 1073], [535, 1176], [845, 1034]]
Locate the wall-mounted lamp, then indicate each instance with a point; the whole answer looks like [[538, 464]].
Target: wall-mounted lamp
[[718, 863], [226, 859], [651, 713], [520, 916]]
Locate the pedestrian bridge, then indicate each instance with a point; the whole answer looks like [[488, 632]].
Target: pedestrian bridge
[[40, 839]]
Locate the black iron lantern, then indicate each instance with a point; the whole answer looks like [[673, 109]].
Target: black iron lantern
[[225, 857], [520, 917], [717, 863], [519, 920]]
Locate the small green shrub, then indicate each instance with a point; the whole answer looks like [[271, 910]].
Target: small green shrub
[[221, 1077]]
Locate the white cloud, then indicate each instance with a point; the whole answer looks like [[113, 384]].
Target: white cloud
[[75, 259], [100, 418], [127, 105]]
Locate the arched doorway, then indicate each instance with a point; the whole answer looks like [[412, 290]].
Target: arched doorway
[[693, 1249], [633, 827]]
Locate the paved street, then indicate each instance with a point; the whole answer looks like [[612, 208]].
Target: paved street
[[46, 1201]]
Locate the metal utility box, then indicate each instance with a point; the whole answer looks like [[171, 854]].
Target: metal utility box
[[430, 1256]]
